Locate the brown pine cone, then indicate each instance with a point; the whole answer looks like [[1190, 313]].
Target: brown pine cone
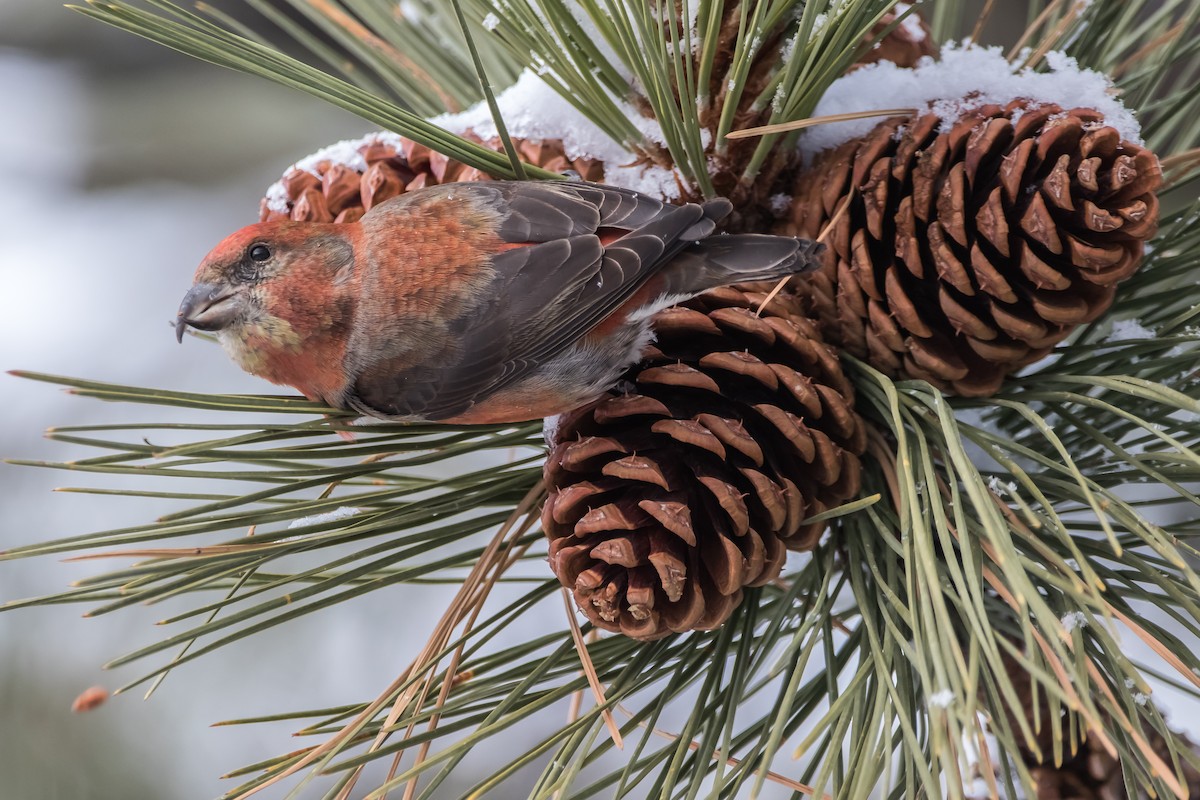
[[1092, 774], [670, 497], [970, 253], [332, 190], [1089, 773]]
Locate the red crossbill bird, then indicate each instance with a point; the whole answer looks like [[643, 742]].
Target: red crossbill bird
[[470, 302]]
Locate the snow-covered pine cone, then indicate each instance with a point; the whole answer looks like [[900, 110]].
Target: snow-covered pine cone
[[969, 253], [671, 496], [353, 176]]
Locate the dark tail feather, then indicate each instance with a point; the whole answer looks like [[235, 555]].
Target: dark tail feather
[[739, 258]]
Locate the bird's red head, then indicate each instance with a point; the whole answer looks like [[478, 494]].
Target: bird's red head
[[268, 287]]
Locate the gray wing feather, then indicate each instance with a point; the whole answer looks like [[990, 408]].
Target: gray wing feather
[[543, 297], [542, 215]]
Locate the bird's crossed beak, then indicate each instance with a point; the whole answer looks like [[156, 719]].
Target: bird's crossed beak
[[209, 307]]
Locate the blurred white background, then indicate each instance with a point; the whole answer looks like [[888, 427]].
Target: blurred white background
[[122, 163]]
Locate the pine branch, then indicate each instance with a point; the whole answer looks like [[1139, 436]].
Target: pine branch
[[987, 566]]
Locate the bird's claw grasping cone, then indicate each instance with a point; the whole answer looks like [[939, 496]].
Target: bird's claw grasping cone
[[971, 251], [668, 499]]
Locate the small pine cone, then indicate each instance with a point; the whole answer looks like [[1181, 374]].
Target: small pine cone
[[907, 44], [1090, 773], [970, 253], [668, 499], [382, 166]]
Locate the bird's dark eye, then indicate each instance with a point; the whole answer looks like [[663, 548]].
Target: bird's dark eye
[[259, 252]]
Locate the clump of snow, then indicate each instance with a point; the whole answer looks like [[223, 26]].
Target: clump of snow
[[912, 23], [941, 699], [818, 25], [777, 99], [411, 11], [277, 198], [1141, 698], [966, 77], [1001, 488], [689, 21], [979, 787], [550, 426], [532, 109], [491, 21], [1074, 619], [342, 512], [345, 152], [972, 760], [1127, 330], [788, 48]]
